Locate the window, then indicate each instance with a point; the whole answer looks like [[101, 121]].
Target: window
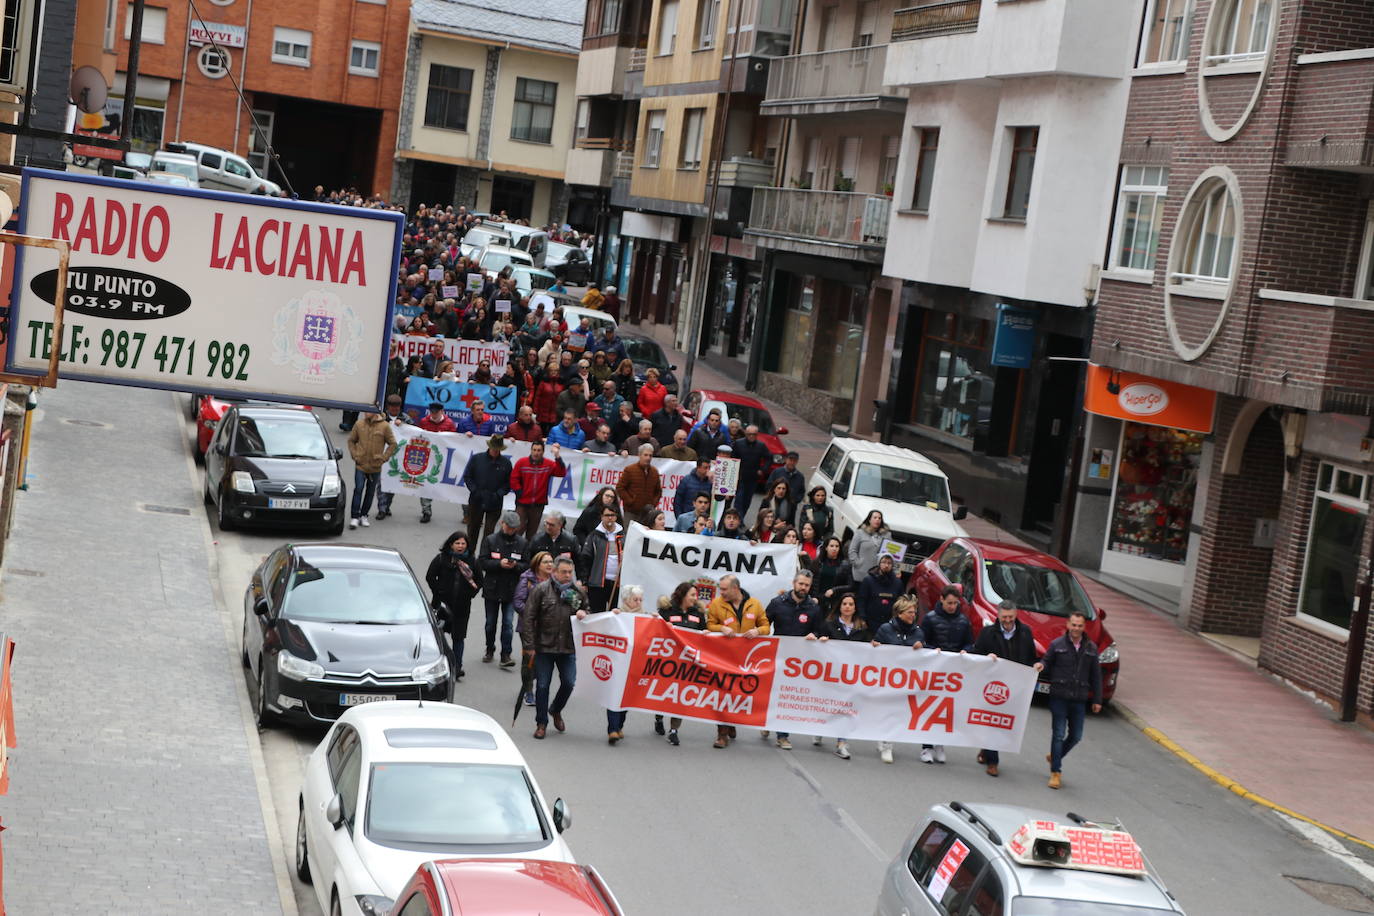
[[1139, 208], [653, 138], [533, 117], [811, 169], [344, 740], [147, 129], [848, 170], [926, 145], [363, 57], [1023, 143], [603, 18], [955, 390], [1364, 279], [1339, 509], [450, 96], [692, 121], [865, 23], [154, 24], [259, 139], [111, 17], [887, 167], [831, 462], [708, 16], [1240, 31], [667, 27], [291, 46], [952, 561], [1208, 235], [583, 120], [1166, 31], [236, 167], [213, 62], [952, 890], [210, 160], [798, 324], [926, 852], [416, 905], [346, 786]]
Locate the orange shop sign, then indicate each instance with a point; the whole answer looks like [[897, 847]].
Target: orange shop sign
[[1127, 396]]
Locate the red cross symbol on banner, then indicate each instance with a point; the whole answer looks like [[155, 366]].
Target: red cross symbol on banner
[[469, 398]]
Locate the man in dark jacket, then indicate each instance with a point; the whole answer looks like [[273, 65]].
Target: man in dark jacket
[[554, 539], [877, 592], [666, 420], [487, 478], [504, 556], [1012, 641], [794, 613], [945, 628], [699, 481], [796, 484], [753, 457], [1075, 677], [548, 637], [709, 436], [598, 560]]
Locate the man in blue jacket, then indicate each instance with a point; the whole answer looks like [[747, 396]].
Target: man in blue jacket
[[568, 434], [1075, 675], [487, 478], [948, 629], [699, 481]]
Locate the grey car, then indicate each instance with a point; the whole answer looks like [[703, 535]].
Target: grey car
[[975, 860]]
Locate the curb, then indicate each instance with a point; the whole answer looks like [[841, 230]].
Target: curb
[[1222, 779]]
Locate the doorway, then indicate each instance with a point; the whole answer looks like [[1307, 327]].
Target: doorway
[[513, 196], [1053, 435]]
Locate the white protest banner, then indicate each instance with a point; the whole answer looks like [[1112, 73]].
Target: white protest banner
[[474, 283], [450, 292], [658, 560], [502, 306], [436, 274], [836, 689], [465, 354], [431, 465], [207, 291]]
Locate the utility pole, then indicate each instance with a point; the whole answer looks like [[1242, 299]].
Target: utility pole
[[698, 303], [126, 124]]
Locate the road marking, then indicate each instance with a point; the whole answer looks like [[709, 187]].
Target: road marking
[[1327, 843], [276, 849], [1225, 781], [833, 811]]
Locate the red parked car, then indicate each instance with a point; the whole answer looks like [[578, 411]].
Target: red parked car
[[743, 408], [209, 410], [1045, 590], [506, 887]]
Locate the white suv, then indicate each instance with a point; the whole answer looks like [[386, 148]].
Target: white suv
[[908, 488], [222, 169]]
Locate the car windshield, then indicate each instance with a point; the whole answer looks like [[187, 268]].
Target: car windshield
[[480, 237], [353, 595], [902, 485], [177, 167], [1047, 906], [1036, 588], [532, 279], [645, 353], [271, 437], [747, 415], [452, 804]]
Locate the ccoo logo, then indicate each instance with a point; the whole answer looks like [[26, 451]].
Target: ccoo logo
[[996, 693], [601, 667], [1143, 399]]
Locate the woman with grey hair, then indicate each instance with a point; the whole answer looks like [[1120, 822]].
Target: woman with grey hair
[[631, 602]]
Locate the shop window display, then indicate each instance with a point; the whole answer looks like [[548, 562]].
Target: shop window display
[[1156, 482], [956, 385], [1339, 509]]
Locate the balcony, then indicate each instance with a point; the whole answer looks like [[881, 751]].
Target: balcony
[[936, 17], [834, 224], [739, 172], [1311, 351], [1332, 121], [592, 161], [831, 82]]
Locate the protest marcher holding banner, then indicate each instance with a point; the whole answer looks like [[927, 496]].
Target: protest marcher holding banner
[[683, 608], [945, 628], [843, 625], [487, 477], [548, 636], [436, 421], [901, 630], [529, 481], [599, 560], [1013, 641], [631, 602], [794, 613], [734, 612]]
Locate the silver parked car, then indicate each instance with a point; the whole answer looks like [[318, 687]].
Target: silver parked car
[[990, 860]]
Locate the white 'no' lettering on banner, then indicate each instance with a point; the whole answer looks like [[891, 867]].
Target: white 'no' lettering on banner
[[835, 689], [657, 561]]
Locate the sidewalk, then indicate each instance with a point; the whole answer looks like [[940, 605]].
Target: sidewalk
[[1246, 730], [131, 789]]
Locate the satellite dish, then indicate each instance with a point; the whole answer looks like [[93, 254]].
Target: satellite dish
[[88, 89]]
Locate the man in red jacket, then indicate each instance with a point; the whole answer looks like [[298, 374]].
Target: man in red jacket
[[436, 421], [529, 481], [524, 429]]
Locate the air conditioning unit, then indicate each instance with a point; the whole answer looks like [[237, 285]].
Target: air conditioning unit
[[16, 32]]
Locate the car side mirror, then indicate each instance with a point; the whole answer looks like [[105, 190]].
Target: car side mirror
[[672, 368], [219, 450], [333, 812], [562, 819], [260, 606], [338, 454], [1101, 614], [782, 430], [961, 513]]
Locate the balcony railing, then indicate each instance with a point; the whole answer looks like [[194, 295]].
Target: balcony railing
[[637, 58], [738, 172], [624, 164], [843, 217], [935, 17], [850, 73], [614, 143]]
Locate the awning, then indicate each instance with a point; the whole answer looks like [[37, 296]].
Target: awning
[[1127, 396]]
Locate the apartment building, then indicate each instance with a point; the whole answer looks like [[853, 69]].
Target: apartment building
[[323, 81], [486, 116], [826, 312], [656, 87], [1230, 429], [1009, 140]]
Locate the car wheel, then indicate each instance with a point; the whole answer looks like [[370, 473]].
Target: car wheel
[[243, 653], [337, 529], [264, 716], [226, 522], [302, 859], [205, 492]]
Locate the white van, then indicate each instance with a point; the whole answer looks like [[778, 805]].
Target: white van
[[181, 164], [908, 488], [221, 169]]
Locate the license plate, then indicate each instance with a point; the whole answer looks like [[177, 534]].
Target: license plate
[[908, 568], [288, 503], [358, 699], [1042, 688]]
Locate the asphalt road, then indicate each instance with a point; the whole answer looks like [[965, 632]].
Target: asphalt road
[[753, 829]]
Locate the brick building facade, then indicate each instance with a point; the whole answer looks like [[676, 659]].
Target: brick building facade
[[322, 79], [1240, 263]]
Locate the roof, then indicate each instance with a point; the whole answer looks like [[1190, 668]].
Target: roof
[[332, 556], [521, 886], [553, 25], [887, 451], [373, 720], [730, 397], [1008, 551]]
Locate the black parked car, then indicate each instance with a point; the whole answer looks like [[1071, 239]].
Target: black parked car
[[329, 626], [268, 465], [646, 354]]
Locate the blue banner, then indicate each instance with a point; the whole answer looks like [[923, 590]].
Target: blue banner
[[458, 398], [1014, 341]]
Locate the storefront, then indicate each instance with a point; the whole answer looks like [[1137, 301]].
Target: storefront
[[1152, 471]]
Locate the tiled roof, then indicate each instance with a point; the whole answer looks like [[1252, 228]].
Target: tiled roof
[[550, 25]]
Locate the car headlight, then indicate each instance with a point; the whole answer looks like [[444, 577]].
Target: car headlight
[[243, 481], [1109, 655], [432, 673], [374, 904], [298, 669], [330, 487]]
